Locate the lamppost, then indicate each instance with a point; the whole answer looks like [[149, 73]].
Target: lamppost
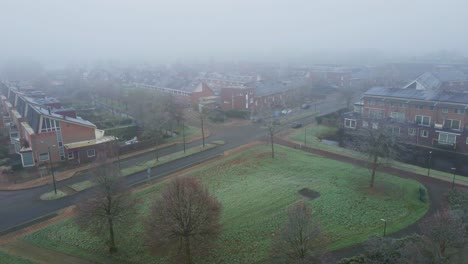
[[385, 226], [183, 134], [52, 169], [202, 129], [305, 136], [429, 164], [453, 179]]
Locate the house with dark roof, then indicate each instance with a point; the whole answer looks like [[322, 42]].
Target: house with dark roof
[[42, 130], [430, 111], [273, 92]]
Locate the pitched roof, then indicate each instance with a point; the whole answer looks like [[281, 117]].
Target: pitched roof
[[266, 87], [426, 95]]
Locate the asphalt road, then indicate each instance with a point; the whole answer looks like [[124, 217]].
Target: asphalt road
[[17, 207]]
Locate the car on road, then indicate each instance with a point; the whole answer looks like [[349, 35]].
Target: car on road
[[296, 125], [305, 106], [286, 111]]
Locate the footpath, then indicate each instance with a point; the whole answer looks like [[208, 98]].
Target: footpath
[[63, 175]]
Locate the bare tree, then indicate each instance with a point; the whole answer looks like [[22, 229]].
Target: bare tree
[[266, 113], [108, 207], [379, 144], [347, 94], [444, 229], [301, 240], [186, 219]]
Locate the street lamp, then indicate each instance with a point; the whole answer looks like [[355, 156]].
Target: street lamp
[[453, 179], [429, 164], [305, 136], [385, 226], [183, 134], [52, 169]]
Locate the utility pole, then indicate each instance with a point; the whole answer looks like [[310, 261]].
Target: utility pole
[[52, 171], [305, 136], [183, 134]]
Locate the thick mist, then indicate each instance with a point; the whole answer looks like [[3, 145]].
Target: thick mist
[[62, 31]]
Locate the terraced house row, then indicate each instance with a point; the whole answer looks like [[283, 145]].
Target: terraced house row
[[429, 111], [42, 130]]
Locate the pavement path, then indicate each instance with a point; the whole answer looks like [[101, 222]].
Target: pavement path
[[20, 206]]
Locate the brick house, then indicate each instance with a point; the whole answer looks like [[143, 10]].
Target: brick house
[[430, 111], [42, 130], [202, 90], [238, 97], [273, 92]]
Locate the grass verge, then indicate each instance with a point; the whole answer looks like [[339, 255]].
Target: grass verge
[[10, 259], [255, 192], [52, 196]]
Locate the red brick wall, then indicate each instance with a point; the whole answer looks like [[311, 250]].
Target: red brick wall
[[236, 98], [194, 98]]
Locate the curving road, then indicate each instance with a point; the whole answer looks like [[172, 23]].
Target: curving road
[[20, 207]]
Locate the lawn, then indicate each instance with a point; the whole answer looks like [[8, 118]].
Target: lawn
[[9, 259], [255, 191], [315, 131]]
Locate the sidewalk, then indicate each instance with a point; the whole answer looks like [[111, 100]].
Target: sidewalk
[[72, 172]]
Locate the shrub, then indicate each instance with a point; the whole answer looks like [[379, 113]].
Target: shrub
[[237, 113]]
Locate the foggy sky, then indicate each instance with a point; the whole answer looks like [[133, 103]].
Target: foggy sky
[[134, 29]]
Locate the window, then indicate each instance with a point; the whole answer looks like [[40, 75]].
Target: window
[[376, 113], [70, 155], [445, 110], [459, 111], [424, 133], [44, 156], [394, 130], [91, 153], [49, 125], [452, 123], [371, 102], [350, 123], [420, 107], [411, 131], [445, 138], [423, 120], [365, 124], [375, 125], [398, 116]]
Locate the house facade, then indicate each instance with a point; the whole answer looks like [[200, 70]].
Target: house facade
[[426, 112], [41, 130]]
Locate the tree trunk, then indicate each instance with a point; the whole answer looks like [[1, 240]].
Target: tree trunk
[[112, 247], [374, 168], [188, 254]]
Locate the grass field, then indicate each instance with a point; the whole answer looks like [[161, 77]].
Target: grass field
[[9, 259], [314, 131], [255, 191]]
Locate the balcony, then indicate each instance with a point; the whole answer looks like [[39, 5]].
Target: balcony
[[444, 145]]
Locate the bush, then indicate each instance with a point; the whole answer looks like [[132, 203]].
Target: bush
[[17, 167], [457, 198], [125, 133], [237, 113]]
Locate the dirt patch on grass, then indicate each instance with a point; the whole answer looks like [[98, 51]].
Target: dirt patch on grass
[[309, 193]]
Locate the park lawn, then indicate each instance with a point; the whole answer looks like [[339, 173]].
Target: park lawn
[[314, 131], [6, 258], [255, 192]]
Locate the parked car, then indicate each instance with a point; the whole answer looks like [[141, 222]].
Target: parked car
[[305, 106], [286, 111], [296, 125]]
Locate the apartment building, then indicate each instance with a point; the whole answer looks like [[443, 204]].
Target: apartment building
[[430, 111], [42, 130]]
